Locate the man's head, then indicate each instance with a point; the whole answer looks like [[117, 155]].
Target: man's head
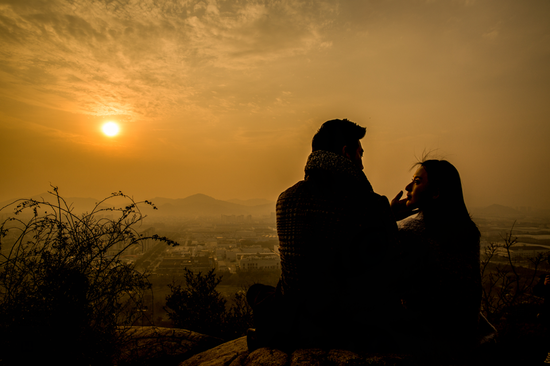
[[341, 136]]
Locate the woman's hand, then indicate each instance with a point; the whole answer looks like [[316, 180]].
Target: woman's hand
[[399, 207]]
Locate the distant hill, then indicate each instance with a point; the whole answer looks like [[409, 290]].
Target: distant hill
[[197, 204], [203, 205], [498, 211], [251, 202]]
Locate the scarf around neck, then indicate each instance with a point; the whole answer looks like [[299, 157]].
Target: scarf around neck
[[330, 163]]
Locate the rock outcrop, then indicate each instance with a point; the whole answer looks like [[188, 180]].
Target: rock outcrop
[[229, 353], [152, 346], [235, 353], [162, 346]]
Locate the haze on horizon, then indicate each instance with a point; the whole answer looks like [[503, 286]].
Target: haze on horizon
[[223, 97]]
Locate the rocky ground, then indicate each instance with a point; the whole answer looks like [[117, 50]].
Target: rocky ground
[[170, 347], [235, 353]]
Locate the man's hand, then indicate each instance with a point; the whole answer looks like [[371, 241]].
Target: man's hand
[[399, 207]]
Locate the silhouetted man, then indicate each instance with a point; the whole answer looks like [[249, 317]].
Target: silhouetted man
[[335, 235]]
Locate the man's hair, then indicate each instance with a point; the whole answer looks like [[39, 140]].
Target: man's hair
[[333, 135]]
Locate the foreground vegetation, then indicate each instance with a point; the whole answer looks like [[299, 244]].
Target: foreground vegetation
[[198, 306], [64, 289], [509, 302]]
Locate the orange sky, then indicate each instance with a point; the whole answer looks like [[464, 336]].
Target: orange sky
[[223, 97]]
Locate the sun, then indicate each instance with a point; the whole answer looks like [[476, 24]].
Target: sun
[[110, 129]]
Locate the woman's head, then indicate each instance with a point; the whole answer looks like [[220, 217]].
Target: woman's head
[[436, 187]]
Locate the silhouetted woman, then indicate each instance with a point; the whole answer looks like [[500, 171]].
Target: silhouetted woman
[[442, 291]]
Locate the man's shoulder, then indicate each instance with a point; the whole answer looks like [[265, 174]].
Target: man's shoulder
[[297, 186], [307, 190], [299, 190]]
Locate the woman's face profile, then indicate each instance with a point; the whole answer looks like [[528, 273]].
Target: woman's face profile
[[417, 190]]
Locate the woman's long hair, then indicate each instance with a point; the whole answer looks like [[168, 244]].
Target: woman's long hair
[[448, 209]]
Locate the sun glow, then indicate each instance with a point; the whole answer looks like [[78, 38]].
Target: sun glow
[[110, 129]]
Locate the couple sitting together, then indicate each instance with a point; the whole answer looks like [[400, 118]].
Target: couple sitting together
[[352, 278]]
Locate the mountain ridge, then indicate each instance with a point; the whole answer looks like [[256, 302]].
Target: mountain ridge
[[205, 205], [193, 205]]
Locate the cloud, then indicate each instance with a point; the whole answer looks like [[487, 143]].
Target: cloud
[[114, 57]]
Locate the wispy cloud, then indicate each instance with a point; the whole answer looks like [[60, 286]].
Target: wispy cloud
[[147, 58]]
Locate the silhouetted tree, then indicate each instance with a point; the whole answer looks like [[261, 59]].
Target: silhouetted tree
[[507, 286], [64, 291], [508, 302], [199, 307]]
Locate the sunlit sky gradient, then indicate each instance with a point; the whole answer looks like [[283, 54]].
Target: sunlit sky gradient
[[223, 97]]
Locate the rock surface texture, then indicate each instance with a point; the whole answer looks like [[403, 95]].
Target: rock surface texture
[[162, 346], [154, 346], [235, 353]]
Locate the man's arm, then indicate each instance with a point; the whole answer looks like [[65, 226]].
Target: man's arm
[[399, 208]]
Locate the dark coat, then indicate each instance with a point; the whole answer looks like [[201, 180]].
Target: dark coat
[[335, 241], [443, 290]]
